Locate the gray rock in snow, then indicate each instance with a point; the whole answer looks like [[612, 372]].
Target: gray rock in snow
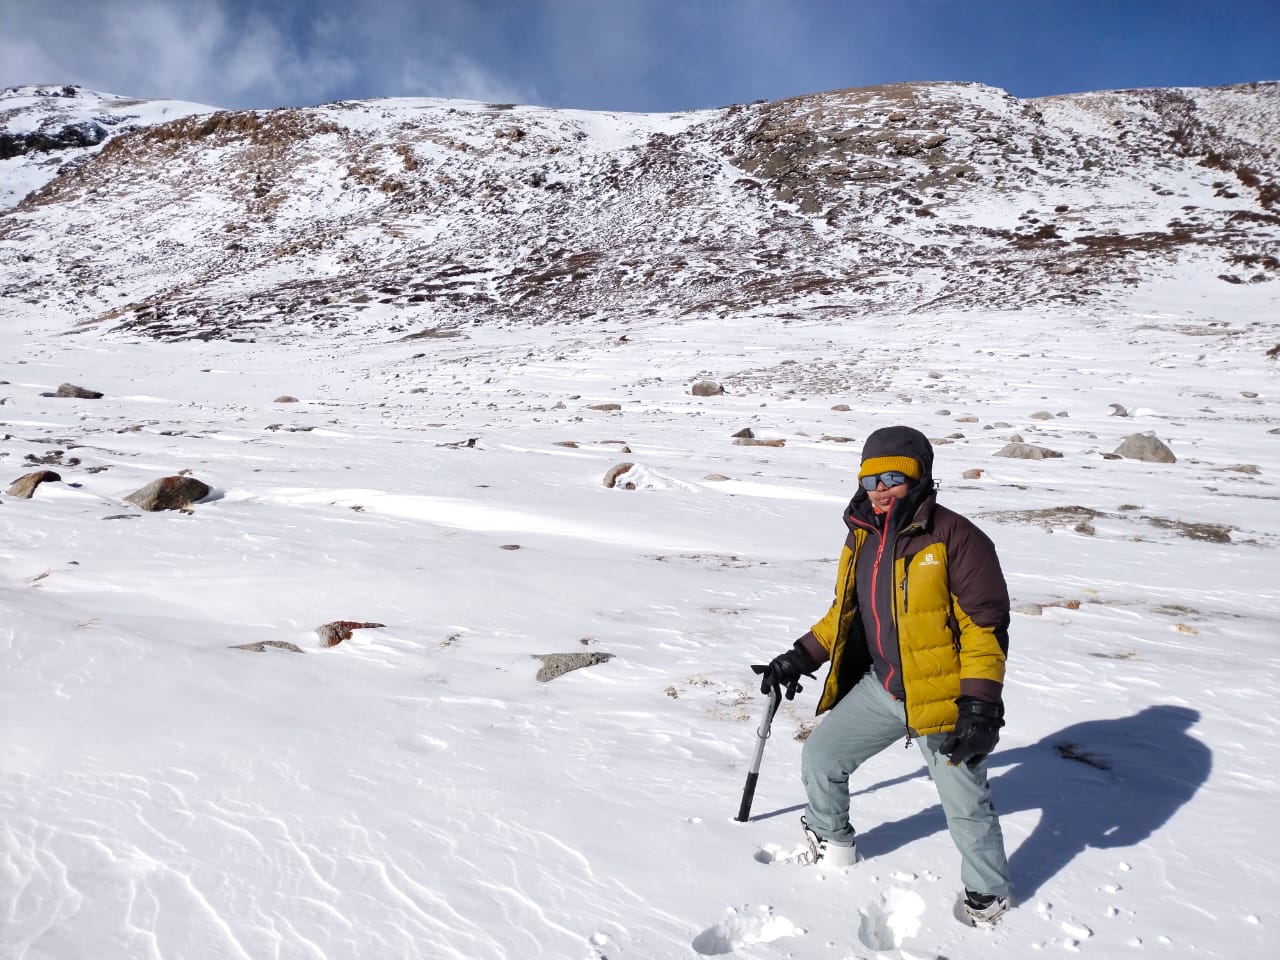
[[614, 472], [80, 393], [25, 486], [1146, 447], [1027, 451], [260, 646], [170, 493], [557, 664]]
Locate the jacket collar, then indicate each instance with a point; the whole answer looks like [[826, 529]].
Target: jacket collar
[[915, 510]]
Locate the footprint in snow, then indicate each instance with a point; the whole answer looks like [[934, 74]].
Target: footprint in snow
[[743, 928], [773, 853], [890, 921]]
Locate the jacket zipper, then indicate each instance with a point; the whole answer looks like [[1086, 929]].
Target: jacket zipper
[[875, 577], [875, 573], [880, 556], [906, 720]]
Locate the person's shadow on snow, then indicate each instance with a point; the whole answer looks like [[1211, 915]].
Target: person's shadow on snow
[[1101, 783]]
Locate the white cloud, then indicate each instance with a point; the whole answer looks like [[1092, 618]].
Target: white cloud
[[458, 78], [216, 53], [25, 61], [264, 61]]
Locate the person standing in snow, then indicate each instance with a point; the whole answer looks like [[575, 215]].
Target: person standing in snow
[[917, 638]]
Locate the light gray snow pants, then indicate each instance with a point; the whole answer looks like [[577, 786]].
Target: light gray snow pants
[[867, 721]]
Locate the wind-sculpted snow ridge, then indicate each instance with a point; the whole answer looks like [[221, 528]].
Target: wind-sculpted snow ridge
[[412, 216]]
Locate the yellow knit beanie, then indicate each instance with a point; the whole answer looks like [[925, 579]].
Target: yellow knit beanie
[[876, 465]]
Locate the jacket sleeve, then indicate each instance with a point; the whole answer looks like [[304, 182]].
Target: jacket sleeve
[[814, 648], [980, 601]]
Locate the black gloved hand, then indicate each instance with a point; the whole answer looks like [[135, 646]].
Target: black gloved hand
[[976, 733], [785, 671]]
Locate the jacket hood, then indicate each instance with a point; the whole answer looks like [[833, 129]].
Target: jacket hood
[[898, 442], [891, 443]]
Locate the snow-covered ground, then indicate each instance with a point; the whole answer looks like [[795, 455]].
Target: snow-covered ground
[[416, 791]]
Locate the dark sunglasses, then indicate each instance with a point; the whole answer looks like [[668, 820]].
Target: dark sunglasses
[[890, 478]]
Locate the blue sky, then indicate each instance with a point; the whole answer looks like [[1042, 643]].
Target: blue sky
[[639, 55]]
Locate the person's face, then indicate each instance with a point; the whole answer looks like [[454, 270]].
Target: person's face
[[881, 496]]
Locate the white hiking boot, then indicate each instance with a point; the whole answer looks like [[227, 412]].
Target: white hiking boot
[[983, 909], [827, 853]]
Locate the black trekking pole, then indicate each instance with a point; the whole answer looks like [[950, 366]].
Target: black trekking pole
[[762, 734]]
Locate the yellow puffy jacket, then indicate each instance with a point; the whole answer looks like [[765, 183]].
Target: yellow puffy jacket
[[944, 614]]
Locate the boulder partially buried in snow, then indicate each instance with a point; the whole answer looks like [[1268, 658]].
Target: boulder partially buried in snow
[[1028, 451], [170, 493], [614, 472], [637, 476], [558, 664], [260, 646], [1147, 447], [333, 633], [81, 393], [26, 485]]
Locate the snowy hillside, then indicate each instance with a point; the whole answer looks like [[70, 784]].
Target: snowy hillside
[[409, 215], [189, 771], [46, 131]]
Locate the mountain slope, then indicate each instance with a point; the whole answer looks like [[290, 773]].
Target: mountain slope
[[411, 214], [47, 130]]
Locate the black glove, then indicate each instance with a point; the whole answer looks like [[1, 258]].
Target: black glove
[[976, 733], [785, 671]]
